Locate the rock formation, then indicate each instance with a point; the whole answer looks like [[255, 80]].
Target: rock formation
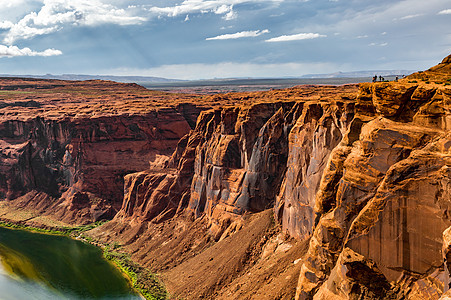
[[384, 198], [67, 153], [313, 192], [365, 179], [234, 161]]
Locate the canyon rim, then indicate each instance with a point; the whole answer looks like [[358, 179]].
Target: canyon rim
[[310, 192]]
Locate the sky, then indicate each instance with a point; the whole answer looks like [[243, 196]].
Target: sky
[[195, 39]]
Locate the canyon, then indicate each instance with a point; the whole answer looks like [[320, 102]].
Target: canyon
[[310, 192]]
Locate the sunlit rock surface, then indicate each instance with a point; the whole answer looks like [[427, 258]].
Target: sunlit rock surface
[[392, 196], [355, 179], [362, 176]]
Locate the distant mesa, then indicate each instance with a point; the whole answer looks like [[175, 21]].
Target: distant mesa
[[151, 80], [79, 77], [358, 74]]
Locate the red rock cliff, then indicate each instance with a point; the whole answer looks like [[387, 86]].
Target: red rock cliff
[[70, 159], [384, 197], [235, 160], [360, 177], [364, 177]]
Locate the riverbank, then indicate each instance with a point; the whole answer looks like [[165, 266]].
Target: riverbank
[[142, 281]]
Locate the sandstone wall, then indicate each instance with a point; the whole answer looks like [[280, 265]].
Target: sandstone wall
[[240, 159], [389, 206], [366, 179], [82, 162]]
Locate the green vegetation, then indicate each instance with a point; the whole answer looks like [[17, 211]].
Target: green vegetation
[[142, 280], [68, 231], [12, 225]]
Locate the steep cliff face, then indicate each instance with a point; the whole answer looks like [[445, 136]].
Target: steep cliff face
[[384, 198], [228, 169], [315, 134], [240, 166], [236, 158], [362, 176], [357, 179], [87, 143], [73, 167]]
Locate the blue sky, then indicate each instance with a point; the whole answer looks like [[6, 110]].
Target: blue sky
[[194, 39]]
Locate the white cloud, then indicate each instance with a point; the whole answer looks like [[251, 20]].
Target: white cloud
[[445, 12], [230, 15], [56, 14], [410, 16], [223, 9], [13, 51], [242, 34], [11, 3], [6, 25], [296, 37], [379, 44], [195, 6], [219, 7]]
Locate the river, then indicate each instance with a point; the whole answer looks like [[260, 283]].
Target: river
[[44, 267]]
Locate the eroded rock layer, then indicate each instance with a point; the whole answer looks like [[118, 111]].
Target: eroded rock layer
[[310, 192], [235, 161], [363, 177], [384, 198], [228, 169], [67, 152]]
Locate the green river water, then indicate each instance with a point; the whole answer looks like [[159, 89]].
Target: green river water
[[45, 267]]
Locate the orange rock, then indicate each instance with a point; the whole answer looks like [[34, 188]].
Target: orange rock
[[361, 175], [384, 196]]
